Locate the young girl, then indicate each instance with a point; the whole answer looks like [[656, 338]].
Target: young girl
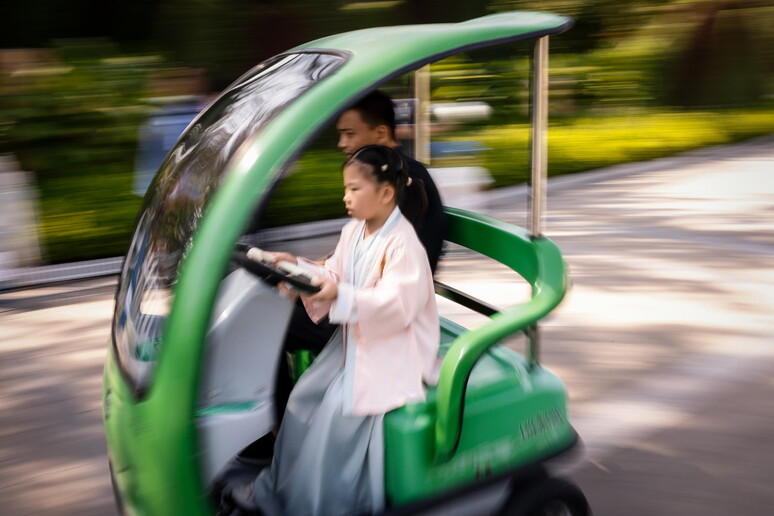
[[378, 285]]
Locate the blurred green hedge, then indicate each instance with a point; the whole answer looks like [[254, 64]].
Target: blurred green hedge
[[73, 121], [584, 143]]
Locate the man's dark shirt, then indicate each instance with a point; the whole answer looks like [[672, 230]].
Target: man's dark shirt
[[431, 227]]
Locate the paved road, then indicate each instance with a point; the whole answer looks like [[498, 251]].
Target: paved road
[[52, 449], [666, 342]]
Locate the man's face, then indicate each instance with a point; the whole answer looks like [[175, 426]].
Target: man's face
[[355, 133]]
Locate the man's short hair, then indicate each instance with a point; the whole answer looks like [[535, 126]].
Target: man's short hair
[[375, 109]]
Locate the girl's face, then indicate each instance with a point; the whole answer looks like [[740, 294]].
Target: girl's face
[[364, 197]]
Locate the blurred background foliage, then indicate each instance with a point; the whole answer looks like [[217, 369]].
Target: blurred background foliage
[[631, 81]]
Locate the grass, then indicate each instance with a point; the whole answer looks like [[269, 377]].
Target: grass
[[591, 142]]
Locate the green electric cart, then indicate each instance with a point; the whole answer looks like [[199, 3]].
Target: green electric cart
[[197, 334]]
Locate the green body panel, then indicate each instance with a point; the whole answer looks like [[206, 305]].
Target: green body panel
[[513, 416], [299, 361], [152, 441], [142, 452]]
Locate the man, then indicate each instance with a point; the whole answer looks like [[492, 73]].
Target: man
[[370, 121]]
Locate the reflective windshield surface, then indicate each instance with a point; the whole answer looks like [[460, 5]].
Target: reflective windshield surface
[[182, 189]]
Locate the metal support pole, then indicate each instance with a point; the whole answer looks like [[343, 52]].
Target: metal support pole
[[422, 115], [538, 165], [539, 128]]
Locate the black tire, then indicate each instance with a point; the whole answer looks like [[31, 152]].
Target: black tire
[[548, 497]]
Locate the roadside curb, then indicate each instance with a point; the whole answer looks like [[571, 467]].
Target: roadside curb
[[32, 276], [493, 198]]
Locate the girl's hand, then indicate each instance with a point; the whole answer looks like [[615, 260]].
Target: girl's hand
[[329, 290], [283, 257], [285, 291]]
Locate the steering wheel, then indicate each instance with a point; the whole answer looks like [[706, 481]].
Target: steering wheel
[[255, 261]]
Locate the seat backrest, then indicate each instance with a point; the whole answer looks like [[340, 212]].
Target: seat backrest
[[539, 262]]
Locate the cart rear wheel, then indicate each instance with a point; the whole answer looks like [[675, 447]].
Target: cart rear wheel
[[548, 497]]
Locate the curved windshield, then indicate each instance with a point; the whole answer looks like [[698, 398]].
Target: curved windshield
[[185, 183]]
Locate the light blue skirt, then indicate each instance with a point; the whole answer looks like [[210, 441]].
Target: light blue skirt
[[325, 463]]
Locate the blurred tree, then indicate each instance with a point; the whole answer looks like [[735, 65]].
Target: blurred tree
[[71, 117], [211, 35], [720, 61], [230, 36], [596, 21], [440, 11], [35, 23]]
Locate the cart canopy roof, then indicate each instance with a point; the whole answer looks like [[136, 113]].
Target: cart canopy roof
[[226, 162], [380, 53], [396, 46]]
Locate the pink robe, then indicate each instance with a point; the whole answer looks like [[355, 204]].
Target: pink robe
[[392, 319]]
